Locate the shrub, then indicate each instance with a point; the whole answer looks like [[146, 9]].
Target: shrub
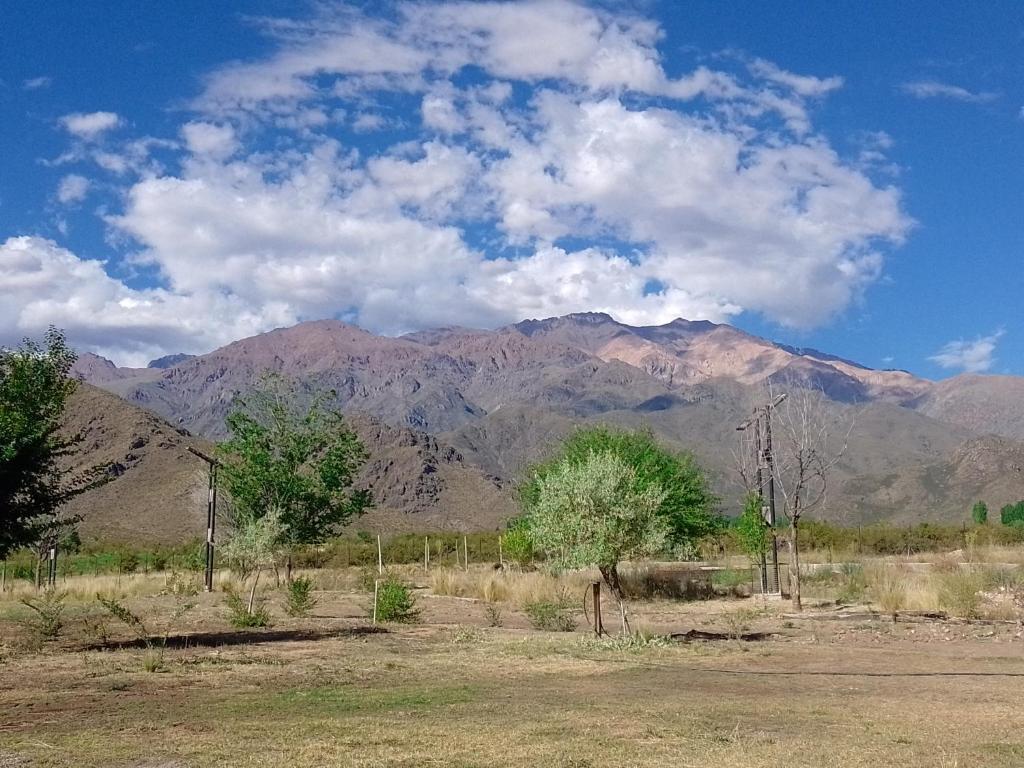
[[120, 612], [46, 622], [395, 601], [180, 586], [853, 585], [493, 613], [958, 594], [239, 615], [1012, 514], [153, 660], [299, 600], [979, 513], [647, 581], [737, 622], [889, 589], [517, 543], [556, 616], [730, 580]]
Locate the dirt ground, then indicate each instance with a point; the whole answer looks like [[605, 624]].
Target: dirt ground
[[828, 688]]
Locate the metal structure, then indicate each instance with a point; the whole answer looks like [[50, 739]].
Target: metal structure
[[761, 422], [211, 515]]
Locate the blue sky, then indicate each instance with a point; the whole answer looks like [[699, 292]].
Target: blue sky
[[841, 176]]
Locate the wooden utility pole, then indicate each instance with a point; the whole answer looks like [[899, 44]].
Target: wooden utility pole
[[761, 422], [211, 515], [769, 460]]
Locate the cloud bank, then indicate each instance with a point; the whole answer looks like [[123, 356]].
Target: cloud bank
[[529, 159]]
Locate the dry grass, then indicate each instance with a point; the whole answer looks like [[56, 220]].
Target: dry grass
[[85, 588], [423, 696], [968, 591], [519, 588]]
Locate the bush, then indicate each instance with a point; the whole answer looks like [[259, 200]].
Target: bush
[[516, 542], [493, 613], [731, 580], [153, 659], [120, 612], [649, 581], [1012, 514], [853, 585], [958, 594], [889, 589], [239, 615], [46, 622], [395, 601], [299, 600], [558, 616]]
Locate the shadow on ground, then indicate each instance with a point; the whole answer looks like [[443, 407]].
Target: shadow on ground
[[237, 637]]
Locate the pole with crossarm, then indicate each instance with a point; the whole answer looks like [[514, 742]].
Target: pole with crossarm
[[211, 514]]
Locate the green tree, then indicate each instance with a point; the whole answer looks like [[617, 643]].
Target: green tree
[[1012, 514], [299, 461], [517, 541], [752, 531], [597, 512], [979, 513], [34, 389], [688, 505]]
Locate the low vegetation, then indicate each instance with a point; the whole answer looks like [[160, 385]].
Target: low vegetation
[[393, 601], [299, 599]]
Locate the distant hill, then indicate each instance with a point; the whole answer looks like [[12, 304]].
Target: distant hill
[[982, 404], [457, 414], [169, 361], [157, 490]]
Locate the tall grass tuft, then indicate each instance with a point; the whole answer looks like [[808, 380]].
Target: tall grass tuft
[[888, 588]]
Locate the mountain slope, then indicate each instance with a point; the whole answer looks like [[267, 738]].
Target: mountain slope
[[156, 492], [982, 404], [502, 399]]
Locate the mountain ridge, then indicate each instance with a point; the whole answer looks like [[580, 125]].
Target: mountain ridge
[[502, 398]]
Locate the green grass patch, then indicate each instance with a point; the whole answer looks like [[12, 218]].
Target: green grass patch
[[335, 700]]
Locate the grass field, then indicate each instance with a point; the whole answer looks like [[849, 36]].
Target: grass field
[[828, 688]]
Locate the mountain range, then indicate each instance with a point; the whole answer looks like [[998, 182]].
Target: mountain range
[[452, 416]]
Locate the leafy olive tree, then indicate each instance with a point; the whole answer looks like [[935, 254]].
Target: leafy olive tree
[[688, 505], [297, 460], [597, 512], [254, 544], [34, 389]]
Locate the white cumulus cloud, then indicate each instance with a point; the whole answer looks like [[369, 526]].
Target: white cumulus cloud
[[89, 125], [569, 173], [975, 356], [72, 189]]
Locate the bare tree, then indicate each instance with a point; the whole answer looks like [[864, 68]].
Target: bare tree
[[807, 446]]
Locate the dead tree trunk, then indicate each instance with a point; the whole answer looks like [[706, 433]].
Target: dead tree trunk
[[794, 563]]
